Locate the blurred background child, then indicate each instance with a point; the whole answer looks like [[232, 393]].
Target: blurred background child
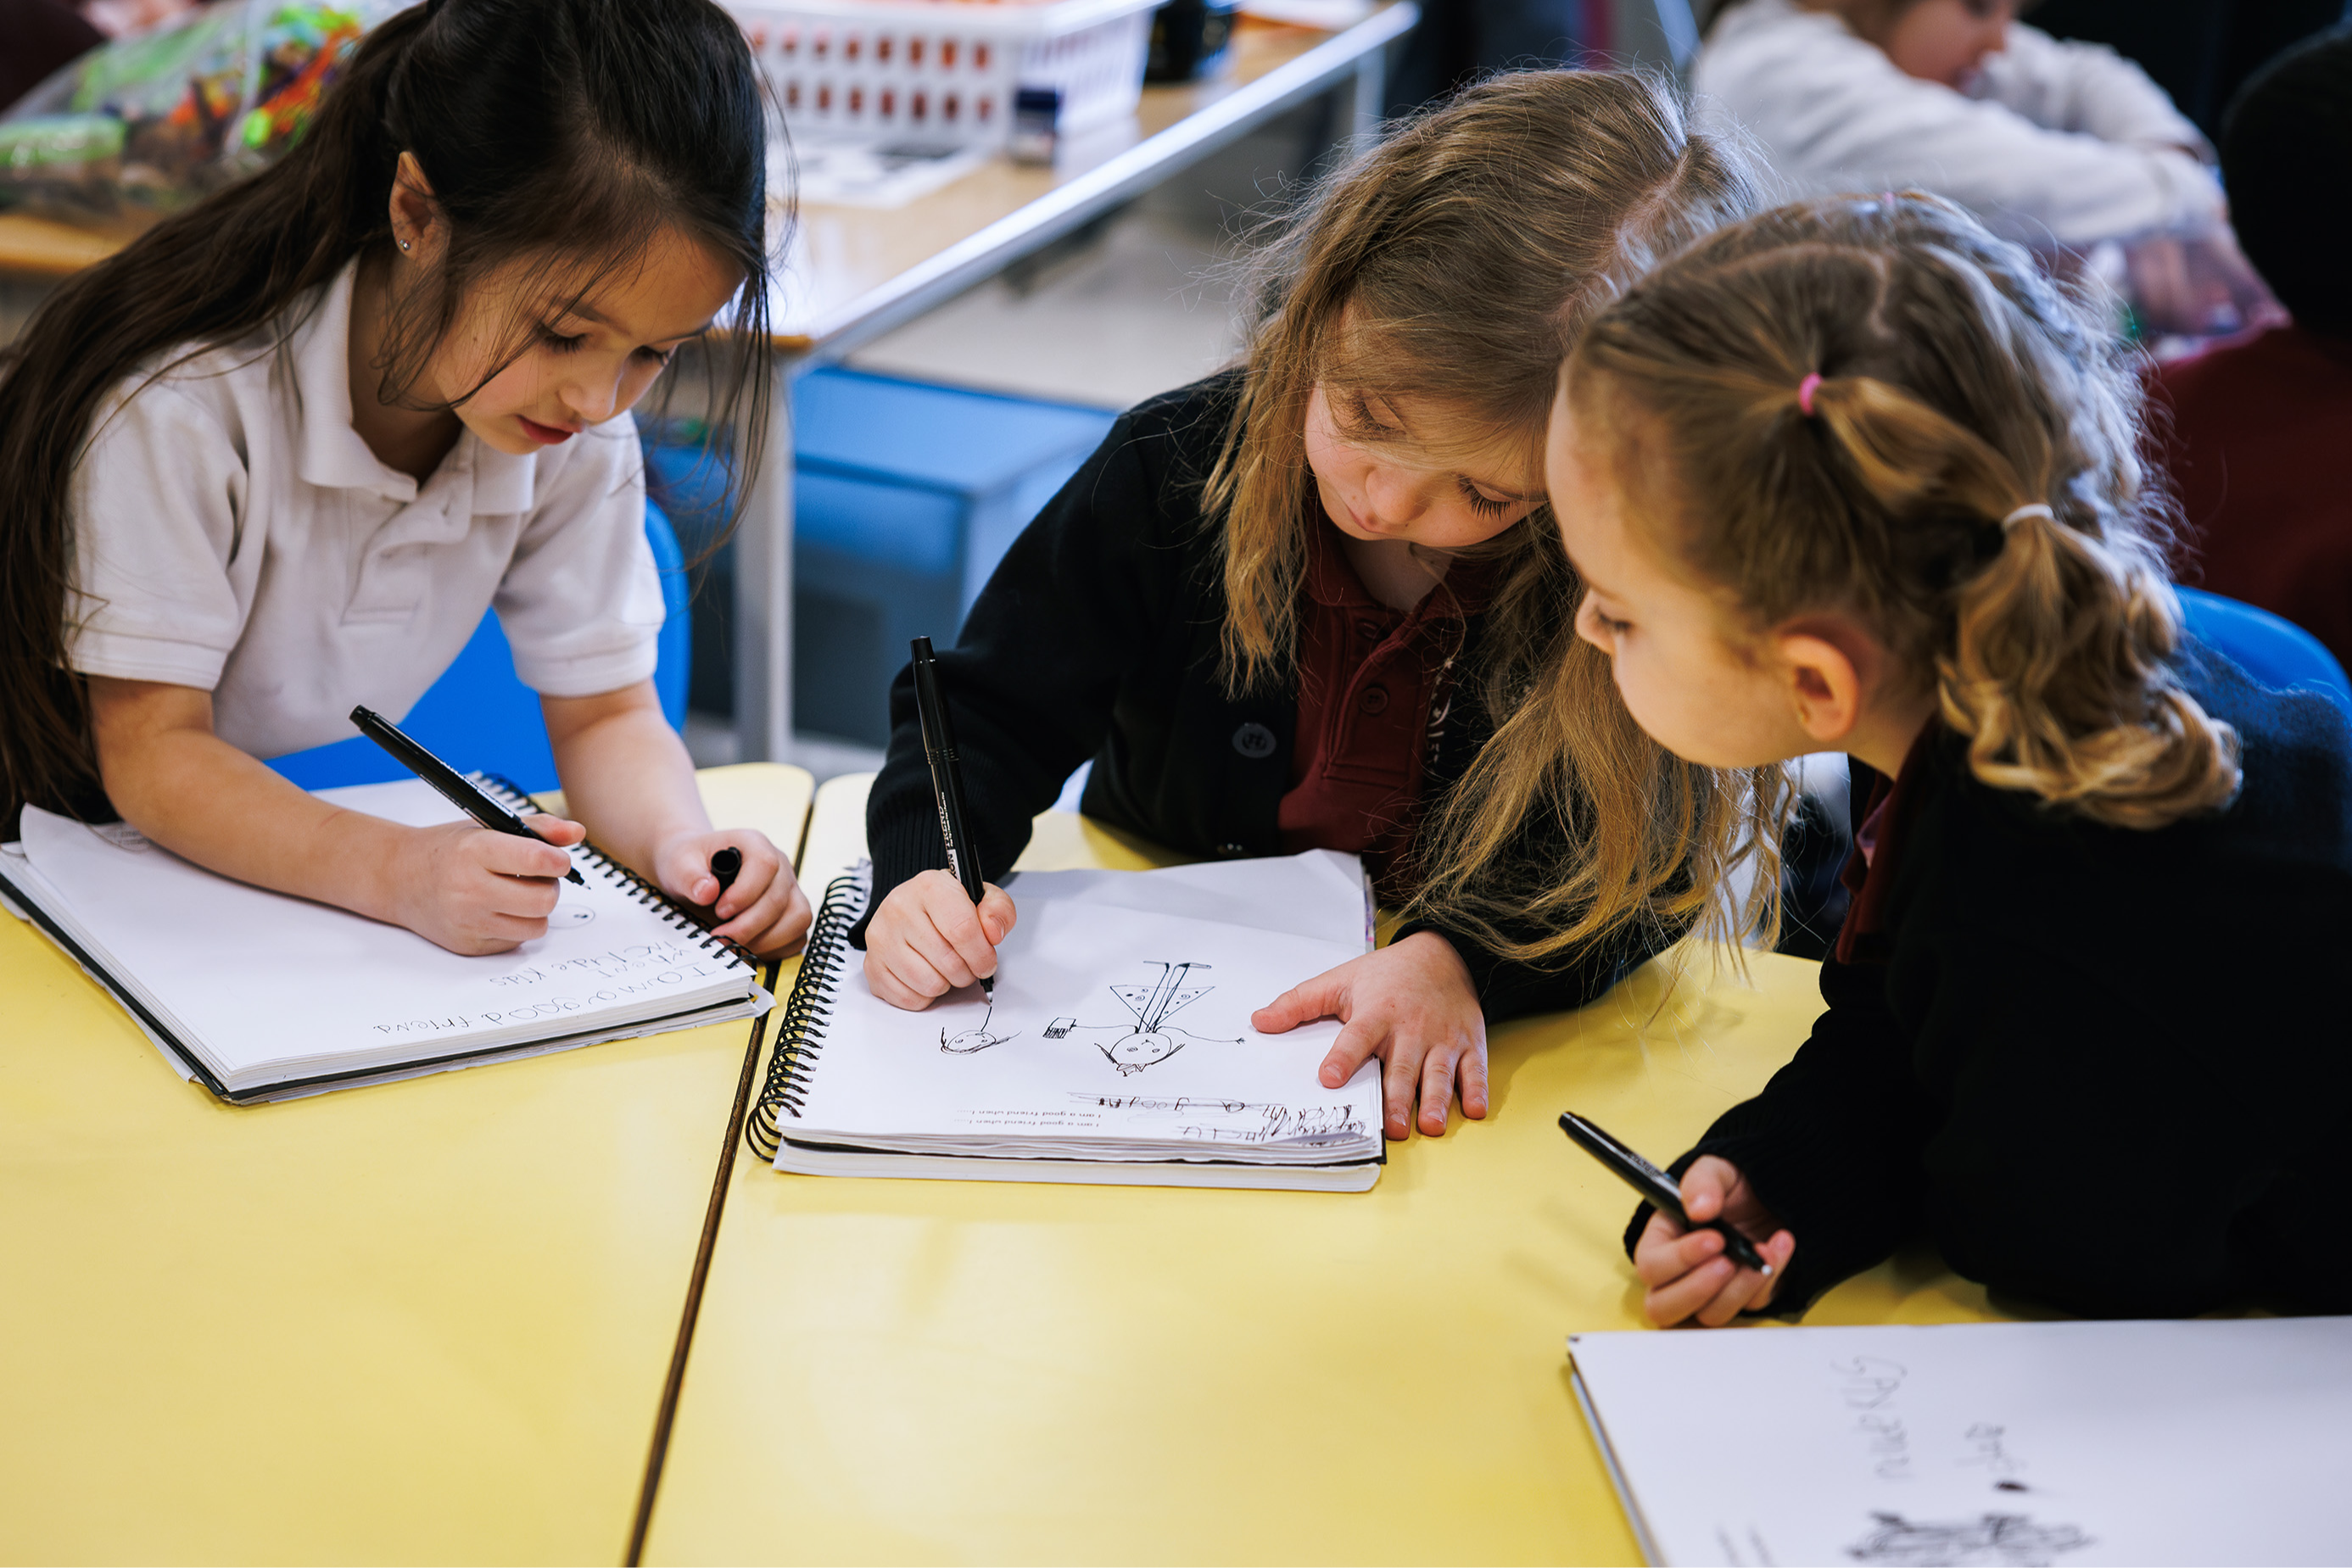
[[2061, 146]]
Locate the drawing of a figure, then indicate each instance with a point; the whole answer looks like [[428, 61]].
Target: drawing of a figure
[[1148, 1039], [1993, 1541], [972, 1039]]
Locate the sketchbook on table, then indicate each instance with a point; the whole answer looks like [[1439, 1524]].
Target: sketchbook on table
[[1118, 1046], [264, 996], [2065, 1444]]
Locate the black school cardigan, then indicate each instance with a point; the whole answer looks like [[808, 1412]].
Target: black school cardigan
[[2107, 1069], [1097, 637]]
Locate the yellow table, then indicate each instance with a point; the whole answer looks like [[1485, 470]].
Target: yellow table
[[424, 1321], [915, 1371]]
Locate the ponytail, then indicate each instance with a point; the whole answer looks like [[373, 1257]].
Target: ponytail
[[1874, 407], [2060, 682]]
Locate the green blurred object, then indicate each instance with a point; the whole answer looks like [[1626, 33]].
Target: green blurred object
[[201, 102]]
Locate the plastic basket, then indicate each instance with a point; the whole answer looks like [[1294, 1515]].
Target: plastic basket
[[946, 70]]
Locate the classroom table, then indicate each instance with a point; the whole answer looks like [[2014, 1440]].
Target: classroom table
[[925, 1371], [850, 274], [423, 1322]]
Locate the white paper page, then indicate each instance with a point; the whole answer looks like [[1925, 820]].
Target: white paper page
[[1320, 894], [2068, 1443], [267, 986], [1109, 1023]]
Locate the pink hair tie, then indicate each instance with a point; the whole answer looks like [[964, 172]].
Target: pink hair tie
[[1805, 391]]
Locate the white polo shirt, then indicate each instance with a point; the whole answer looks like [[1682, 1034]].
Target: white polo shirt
[[235, 534]]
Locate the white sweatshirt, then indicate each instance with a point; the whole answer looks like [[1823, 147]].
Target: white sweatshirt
[[2053, 142]]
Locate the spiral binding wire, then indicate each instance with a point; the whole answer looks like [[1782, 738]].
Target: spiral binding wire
[[799, 1034], [673, 913]]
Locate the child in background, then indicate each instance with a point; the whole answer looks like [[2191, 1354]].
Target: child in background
[[2259, 428], [1283, 607], [2057, 145], [278, 456], [1855, 475]]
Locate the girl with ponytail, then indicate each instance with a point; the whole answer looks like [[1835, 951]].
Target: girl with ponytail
[[1855, 476], [276, 457]]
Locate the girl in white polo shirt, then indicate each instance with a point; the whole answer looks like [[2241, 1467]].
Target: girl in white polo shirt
[[278, 456]]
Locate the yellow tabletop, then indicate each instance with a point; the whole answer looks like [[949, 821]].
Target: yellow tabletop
[[917, 1371], [423, 1322]]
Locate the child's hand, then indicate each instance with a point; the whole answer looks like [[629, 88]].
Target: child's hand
[[763, 908], [1686, 1270], [927, 939], [1412, 1005], [472, 891]]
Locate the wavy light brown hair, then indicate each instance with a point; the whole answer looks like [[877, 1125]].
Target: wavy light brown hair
[[1968, 484], [1455, 264]]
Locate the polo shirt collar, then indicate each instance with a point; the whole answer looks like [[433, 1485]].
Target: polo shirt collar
[[331, 454]]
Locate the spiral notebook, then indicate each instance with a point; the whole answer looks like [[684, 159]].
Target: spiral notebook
[[1118, 1047], [2211, 1441], [258, 995]]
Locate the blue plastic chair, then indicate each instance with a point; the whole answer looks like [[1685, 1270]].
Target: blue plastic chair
[[2274, 650], [479, 714]]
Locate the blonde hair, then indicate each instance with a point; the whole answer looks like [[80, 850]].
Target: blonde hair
[[1455, 264], [1967, 482]]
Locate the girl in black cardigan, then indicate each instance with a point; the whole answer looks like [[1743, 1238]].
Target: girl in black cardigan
[[1284, 608], [1855, 475]]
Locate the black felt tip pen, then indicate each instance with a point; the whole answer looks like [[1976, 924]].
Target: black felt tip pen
[[456, 788], [947, 781], [1655, 1185]]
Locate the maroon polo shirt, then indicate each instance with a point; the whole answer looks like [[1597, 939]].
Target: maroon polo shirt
[[1376, 686], [2260, 447]]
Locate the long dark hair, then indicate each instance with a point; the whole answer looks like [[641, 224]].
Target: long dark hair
[[569, 133]]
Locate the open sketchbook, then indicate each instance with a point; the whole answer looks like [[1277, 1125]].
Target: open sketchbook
[[264, 996], [1118, 1048], [2060, 1443]]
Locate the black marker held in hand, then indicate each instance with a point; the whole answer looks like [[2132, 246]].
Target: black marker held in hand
[[947, 781], [454, 787], [1658, 1187]]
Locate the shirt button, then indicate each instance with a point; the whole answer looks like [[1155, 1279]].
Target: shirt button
[[1254, 741], [1375, 700]]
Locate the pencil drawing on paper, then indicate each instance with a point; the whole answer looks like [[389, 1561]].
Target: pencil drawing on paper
[[972, 1039], [1992, 1540], [1149, 1038]]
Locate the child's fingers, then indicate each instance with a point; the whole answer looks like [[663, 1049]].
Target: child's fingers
[[511, 856], [1437, 1070], [1325, 996], [903, 979], [555, 830], [1473, 1081], [1400, 1084], [1357, 1044], [997, 914], [953, 919], [1683, 1297], [1706, 1185], [1666, 1252]]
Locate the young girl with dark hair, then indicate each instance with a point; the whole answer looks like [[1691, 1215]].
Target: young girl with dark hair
[[278, 456], [1282, 609], [1855, 475]]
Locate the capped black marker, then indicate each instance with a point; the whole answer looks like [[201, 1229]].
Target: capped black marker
[[947, 781], [1658, 1187], [454, 787]]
